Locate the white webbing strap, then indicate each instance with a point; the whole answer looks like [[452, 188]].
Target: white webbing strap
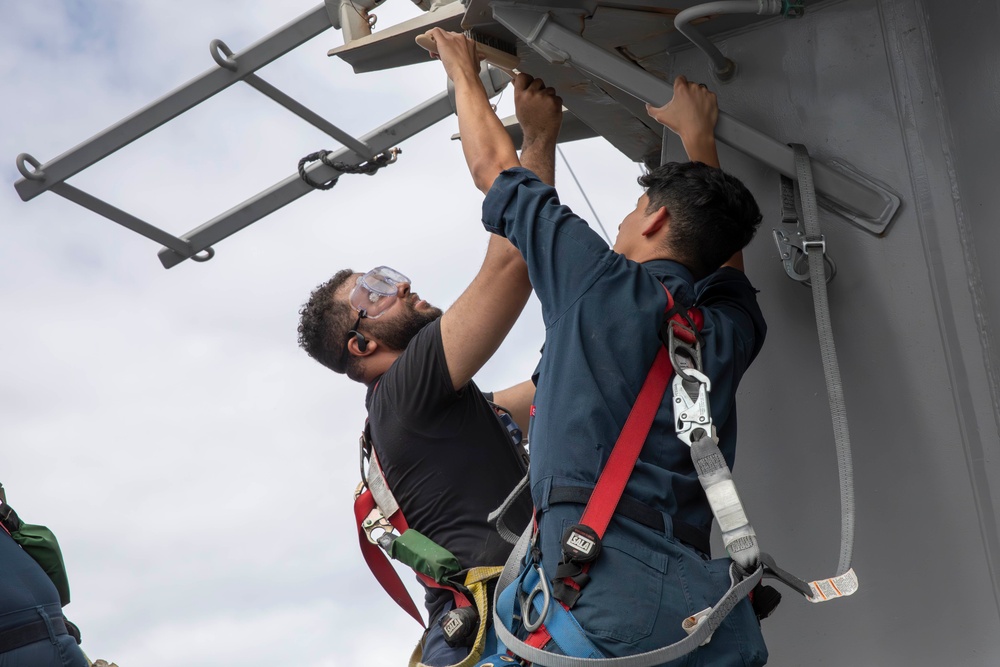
[[377, 484]]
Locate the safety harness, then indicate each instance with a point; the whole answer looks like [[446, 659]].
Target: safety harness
[[378, 515], [383, 533], [528, 594]]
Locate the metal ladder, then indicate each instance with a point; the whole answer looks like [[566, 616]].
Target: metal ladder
[[867, 204]]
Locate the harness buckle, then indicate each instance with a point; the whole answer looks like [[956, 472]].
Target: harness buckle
[[581, 544], [794, 251], [459, 626], [772, 570], [373, 522], [814, 242], [692, 414]]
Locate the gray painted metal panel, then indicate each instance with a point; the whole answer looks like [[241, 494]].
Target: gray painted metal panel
[[858, 80]]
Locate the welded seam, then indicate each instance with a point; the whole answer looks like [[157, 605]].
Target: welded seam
[[893, 19]]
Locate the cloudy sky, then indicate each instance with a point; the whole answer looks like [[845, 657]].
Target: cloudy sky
[[197, 467]]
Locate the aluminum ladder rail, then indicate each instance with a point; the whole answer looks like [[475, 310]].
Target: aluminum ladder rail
[[231, 68]]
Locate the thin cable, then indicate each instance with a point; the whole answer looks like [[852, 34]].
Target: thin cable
[[580, 188]]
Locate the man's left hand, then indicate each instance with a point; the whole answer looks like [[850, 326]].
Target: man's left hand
[[538, 109]]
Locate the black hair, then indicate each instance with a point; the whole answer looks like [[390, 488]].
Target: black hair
[[324, 323], [712, 214]]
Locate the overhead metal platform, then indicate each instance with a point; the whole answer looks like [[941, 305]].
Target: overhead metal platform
[[605, 72]]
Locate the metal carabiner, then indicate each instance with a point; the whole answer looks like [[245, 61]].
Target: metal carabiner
[[692, 414], [691, 357], [542, 588], [794, 251]]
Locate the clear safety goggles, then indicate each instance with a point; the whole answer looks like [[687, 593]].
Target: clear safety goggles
[[376, 291]]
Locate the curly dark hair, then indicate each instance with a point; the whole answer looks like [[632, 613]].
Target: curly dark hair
[[324, 323], [712, 214]]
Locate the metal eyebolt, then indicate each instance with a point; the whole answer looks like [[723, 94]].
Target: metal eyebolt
[[223, 55], [204, 255], [36, 173]]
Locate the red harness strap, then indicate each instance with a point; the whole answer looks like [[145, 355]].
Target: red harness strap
[[380, 565], [615, 475], [377, 561], [611, 484]]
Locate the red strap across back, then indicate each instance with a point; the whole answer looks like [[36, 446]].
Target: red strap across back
[[611, 484], [614, 477]]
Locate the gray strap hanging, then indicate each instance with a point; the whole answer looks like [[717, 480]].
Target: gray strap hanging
[[699, 635], [814, 246], [496, 517]]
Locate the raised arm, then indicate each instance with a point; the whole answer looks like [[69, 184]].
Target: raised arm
[[473, 328], [487, 147], [517, 401], [539, 111], [692, 113]]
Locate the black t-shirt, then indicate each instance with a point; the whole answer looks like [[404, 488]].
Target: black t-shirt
[[448, 460]]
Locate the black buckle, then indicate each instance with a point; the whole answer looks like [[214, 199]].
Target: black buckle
[[580, 544], [9, 518], [764, 600], [459, 626], [772, 570]]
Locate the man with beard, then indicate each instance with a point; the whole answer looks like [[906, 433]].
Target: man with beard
[[448, 459]]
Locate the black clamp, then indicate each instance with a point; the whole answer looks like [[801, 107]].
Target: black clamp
[[580, 546], [9, 518], [459, 626]]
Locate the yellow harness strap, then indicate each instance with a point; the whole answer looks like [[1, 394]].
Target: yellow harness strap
[[476, 580]]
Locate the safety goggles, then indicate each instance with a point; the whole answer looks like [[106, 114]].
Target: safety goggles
[[376, 291]]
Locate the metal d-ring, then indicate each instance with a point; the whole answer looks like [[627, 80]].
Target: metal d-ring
[[209, 253], [541, 587], [694, 355], [35, 174], [229, 62]]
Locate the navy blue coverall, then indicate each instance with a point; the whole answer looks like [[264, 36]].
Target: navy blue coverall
[[602, 313], [29, 600]]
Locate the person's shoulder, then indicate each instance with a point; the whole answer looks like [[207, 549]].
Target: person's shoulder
[[419, 378], [510, 185], [672, 275], [421, 350], [726, 278]]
